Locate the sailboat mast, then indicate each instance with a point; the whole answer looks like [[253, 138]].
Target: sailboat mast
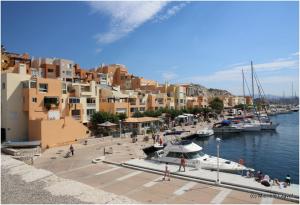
[[244, 91], [252, 81], [292, 90]]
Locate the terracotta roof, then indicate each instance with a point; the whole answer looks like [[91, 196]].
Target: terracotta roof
[[141, 119]]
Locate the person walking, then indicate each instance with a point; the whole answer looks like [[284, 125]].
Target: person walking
[[182, 163], [72, 150], [167, 172]]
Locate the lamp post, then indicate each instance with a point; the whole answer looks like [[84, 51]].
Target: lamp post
[[120, 124], [218, 155]]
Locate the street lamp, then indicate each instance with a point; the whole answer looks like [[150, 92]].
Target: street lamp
[[120, 124], [218, 155]]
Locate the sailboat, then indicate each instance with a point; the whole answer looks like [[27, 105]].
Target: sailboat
[[247, 124], [263, 119]]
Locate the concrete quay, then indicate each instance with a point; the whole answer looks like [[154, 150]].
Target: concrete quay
[[140, 185], [228, 180]]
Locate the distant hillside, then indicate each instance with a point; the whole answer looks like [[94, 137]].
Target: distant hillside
[[217, 92], [211, 92]]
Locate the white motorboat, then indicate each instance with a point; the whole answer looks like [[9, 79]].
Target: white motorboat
[[226, 127], [295, 109], [268, 125], [249, 127], [195, 157], [206, 132]]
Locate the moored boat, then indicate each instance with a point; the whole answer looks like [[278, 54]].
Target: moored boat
[[206, 132], [194, 156]]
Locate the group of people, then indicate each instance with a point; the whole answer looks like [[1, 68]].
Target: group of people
[[266, 180]]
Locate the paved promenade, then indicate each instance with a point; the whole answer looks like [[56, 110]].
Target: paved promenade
[[77, 180], [138, 185]]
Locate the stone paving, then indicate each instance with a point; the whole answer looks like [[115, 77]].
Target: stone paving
[[143, 187]]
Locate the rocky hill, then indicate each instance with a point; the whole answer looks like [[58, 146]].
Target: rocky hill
[[210, 92], [218, 92]]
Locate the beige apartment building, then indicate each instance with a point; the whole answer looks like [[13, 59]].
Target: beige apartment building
[[112, 100], [14, 121], [83, 101], [137, 101], [48, 122], [34, 109]]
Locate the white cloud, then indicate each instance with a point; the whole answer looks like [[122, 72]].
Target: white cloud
[[296, 54], [125, 16], [236, 71], [275, 76], [171, 11]]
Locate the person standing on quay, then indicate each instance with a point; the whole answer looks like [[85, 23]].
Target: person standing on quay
[[72, 150], [182, 163], [167, 172]]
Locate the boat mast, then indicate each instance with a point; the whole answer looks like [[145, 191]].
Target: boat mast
[[244, 92], [252, 81]]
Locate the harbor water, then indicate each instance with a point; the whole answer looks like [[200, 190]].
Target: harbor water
[[275, 153]]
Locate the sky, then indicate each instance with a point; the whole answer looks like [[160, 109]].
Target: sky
[[208, 43]]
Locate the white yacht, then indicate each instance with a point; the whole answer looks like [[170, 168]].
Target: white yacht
[[206, 132], [195, 157], [227, 127]]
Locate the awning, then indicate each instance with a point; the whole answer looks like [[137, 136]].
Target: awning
[[107, 124], [141, 119]]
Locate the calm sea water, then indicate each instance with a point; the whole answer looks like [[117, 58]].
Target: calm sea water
[[275, 153]]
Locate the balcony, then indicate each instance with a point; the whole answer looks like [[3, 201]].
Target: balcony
[[91, 105], [51, 102]]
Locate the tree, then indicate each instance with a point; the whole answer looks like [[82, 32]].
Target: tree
[[217, 105], [122, 116], [138, 114]]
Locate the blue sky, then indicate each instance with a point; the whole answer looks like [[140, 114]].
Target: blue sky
[[201, 42]]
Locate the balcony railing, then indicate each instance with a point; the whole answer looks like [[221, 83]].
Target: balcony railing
[[91, 104]]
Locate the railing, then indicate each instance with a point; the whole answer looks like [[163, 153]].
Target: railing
[[91, 104]]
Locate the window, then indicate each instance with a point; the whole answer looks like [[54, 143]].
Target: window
[[74, 100], [43, 87], [69, 73], [174, 154], [62, 100], [3, 86], [91, 100], [142, 109], [90, 111], [75, 112], [50, 70], [34, 100]]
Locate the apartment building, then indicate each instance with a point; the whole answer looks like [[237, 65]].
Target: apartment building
[[83, 101], [137, 101], [11, 62], [203, 101], [225, 100], [48, 122], [112, 100], [156, 101], [55, 68], [14, 122], [249, 100]]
